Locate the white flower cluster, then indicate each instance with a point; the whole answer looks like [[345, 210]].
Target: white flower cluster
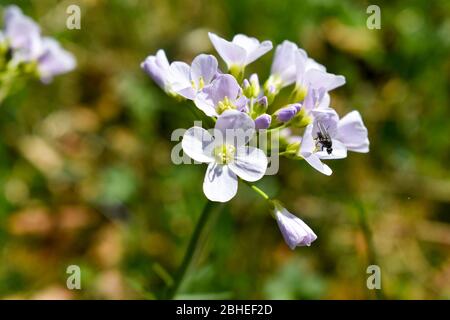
[[310, 129]]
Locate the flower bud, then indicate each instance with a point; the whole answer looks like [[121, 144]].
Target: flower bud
[[287, 113], [263, 121], [260, 107], [247, 88], [254, 82], [270, 90], [295, 232]]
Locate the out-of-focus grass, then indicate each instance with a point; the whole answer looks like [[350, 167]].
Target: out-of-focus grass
[[86, 176]]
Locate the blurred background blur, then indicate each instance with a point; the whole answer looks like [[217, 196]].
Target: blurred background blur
[[86, 176]]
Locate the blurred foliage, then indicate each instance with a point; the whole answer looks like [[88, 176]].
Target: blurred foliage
[[86, 176]]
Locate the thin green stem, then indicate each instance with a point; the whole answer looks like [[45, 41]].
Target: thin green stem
[[191, 250], [372, 255], [257, 190]]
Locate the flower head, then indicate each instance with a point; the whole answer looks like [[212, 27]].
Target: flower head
[[41, 54], [241, 51], [187, 80], [295, 232], [346, 134], [223, 94], [226, 153]]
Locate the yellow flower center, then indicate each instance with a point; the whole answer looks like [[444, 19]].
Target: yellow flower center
[[224, 153], [201, 84], [225, 104]]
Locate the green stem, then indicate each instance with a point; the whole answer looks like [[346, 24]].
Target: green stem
[[191, 250], [258, 190], [372, 255]]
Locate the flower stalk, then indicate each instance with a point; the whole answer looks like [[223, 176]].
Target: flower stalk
[[191, 250]]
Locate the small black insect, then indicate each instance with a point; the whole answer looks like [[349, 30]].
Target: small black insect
[[324, 139]]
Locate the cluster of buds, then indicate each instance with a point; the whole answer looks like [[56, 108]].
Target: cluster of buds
[[241, 107]]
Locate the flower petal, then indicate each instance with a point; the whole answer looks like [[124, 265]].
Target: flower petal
[[353, 133], [204, 102], [300, 64], [197, 143], [308, 144], [313, 64], [180, 77], [307, 149], [339, 151], [284, 62], [234, 127], [230, 52], [220, 183], [253, 48], [315, 162], [54, 60], [249, 163], [22, 33], [321, 79], [203, 66], [224, 85], [328, 119]]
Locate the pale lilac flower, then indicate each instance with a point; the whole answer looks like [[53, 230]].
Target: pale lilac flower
[[226, 153], [224, 93], [241, 51], [54, 60], [263, 121], [22, 34], [287, 113], [348, 133], [313, 79], [283, 71], [187, 80], [157, 67], [295, 232]]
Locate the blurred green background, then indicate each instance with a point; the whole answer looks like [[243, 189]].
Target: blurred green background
[[86, 176]]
